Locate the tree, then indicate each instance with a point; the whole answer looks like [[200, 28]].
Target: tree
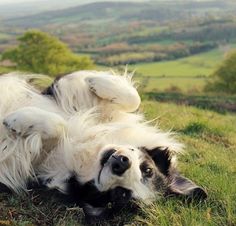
[[224, 78], [39, 52]]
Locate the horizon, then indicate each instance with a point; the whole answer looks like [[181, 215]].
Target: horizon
[[14, 2]]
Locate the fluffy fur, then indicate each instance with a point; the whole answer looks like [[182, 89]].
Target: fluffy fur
[[81, 137]]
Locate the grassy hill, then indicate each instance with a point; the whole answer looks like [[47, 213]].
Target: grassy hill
[[210, 140], [94, 10], [88, 12]]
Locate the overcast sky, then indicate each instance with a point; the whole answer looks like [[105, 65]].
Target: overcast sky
[[4, 2], [16, 1]]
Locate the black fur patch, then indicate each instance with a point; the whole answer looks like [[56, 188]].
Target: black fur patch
[[50, 91], [88, 197], [106, 156], [162, 159], [4, 189]]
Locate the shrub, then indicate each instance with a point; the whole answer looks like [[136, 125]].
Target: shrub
[[41, 53], [224, 78]]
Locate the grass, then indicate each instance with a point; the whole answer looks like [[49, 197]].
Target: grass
[[200, 64], [210, 140], [4, 70], [171, 84], [219, 103]]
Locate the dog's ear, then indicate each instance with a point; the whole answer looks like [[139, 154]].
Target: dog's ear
[[181, 186], [177, 184]]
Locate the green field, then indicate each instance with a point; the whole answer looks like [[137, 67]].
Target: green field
[[197, 65], [210, 140], [188, 75], [175, 84]]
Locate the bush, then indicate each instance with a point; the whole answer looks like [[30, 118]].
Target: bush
[[224, 78], [39, 52]]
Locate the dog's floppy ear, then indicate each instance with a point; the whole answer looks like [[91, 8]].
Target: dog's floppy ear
[[177, 184], [181, 186]]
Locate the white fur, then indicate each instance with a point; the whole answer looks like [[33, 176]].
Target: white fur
[[51, 137]]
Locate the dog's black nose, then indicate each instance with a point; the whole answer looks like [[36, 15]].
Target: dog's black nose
[[119, 164]]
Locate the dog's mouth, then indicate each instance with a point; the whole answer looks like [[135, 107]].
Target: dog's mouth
[[113, 201]]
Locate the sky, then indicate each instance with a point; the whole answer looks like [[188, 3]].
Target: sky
[[3, 2]]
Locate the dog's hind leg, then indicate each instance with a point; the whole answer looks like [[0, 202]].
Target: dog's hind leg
[[116, 89], [31, 120]]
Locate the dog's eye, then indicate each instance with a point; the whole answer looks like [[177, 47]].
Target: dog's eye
[[147, 172]]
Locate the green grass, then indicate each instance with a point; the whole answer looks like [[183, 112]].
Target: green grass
[[200, 64], [210, 140], [4, 70], [219, 103], [171, 84]]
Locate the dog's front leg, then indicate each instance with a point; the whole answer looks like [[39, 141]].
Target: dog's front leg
[[31, 120]]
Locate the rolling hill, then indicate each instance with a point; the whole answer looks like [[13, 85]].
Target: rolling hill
[[27, 8], [123, 10]]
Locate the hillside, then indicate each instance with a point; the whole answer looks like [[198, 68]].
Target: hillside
[[144, 10], [27, 8]]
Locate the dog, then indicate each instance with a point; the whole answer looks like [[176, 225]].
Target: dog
[[83, 137]]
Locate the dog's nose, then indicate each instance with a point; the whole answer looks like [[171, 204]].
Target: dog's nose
[[119, 164]]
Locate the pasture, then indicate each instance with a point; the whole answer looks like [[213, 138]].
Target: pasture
[[197, 65], [210, 144], [187, 75]]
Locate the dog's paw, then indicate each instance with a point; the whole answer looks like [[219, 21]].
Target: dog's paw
[[117, 90], [105, 87], [28, 120], [18, 123]]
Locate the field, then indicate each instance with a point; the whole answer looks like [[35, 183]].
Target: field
[[210, 140], [197, 65], [187, 75]]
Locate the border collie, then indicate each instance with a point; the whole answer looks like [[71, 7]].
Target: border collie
[[82, 137]]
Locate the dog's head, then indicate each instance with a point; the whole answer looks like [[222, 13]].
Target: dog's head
[[127, 173], [133, 169]]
